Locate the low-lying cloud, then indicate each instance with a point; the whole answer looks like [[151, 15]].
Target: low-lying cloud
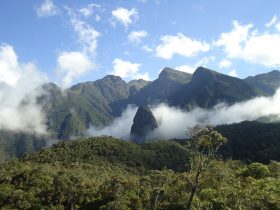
[[172, 121], [19, 89], [119, 128]]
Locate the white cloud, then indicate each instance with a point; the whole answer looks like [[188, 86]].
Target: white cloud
[[88, 10], [172, 121], [232, 41], [19, 89], [191, 69], [186, 68], [128, 70], [125, 16], [263, 49], [137, 36], [253, 47], [47, 9], [97, 18], [205, 60], [233, 73], [87, 34], [180, 45], [272, 21], [147, 48], [225, 64], [277, 26], [119, 128], [71, 65]]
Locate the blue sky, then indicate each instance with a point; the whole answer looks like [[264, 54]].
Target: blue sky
[[76, 41]]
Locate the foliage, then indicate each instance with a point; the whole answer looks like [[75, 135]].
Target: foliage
[[251, 141], [203, 146], [106, 173]]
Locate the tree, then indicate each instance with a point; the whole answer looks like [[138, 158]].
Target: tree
[[203, 144]]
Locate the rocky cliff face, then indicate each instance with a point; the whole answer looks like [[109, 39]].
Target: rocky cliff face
[[143, 123]]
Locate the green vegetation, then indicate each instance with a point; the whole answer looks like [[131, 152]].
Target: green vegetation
[[265, 83], [252, 141], [107, 173], [17, 144]]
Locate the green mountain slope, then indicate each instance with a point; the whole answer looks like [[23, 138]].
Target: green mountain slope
[[265, 83], [135, 85]]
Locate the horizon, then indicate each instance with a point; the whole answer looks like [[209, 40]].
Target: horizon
[[157, 77]]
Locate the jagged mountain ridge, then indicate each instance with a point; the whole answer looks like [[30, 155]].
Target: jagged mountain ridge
[[72, 111]]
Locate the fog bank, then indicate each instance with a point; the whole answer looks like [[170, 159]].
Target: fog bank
[[172, 121]]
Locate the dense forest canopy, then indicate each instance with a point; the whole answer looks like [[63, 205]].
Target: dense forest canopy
[[107, 173]]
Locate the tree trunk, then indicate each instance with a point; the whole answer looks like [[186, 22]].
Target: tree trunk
[[191, 197]]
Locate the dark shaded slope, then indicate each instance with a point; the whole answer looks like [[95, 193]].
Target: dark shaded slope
[[135, 85], [168, 82], [209, 88], [252, 141], [144, 122]]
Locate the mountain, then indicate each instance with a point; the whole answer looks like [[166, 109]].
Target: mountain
[[265, 83], [70, 112], [144, 122], [159, 90], [135, 85], [208, 88], [80, 105]]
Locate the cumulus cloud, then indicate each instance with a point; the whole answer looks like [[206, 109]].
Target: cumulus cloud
[[186, 68], [125, 16], [137, 36], [47, 9], [191, 69], [225, 64], [172, 121], [233, 73], [128, 70], [180, 45], [254, 47], [71, 65], [19, 89], [232, 40], [263, 49]]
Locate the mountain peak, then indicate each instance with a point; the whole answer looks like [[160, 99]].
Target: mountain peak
[[112, 78], [143, 123], [172, 74], [166, 72], [202, 73]]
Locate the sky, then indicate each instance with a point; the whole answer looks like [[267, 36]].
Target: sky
[[83, 40]]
